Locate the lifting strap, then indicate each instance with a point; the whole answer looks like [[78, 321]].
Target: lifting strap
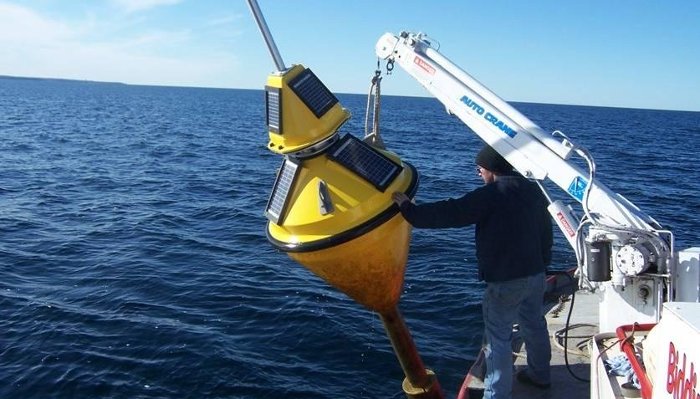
[[373, 137]]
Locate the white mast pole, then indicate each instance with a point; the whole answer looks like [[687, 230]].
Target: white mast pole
[[257, 14]]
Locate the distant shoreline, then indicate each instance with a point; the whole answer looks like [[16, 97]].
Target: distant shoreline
[[57, 79], [101, 82]]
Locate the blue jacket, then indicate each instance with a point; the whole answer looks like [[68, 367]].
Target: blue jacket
[[513, 227]]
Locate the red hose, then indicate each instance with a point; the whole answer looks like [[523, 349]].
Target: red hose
[[626, 343]]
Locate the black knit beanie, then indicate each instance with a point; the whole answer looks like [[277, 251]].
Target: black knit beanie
[[490, 160]]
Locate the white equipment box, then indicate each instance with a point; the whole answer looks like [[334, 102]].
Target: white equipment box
[[677, 354]]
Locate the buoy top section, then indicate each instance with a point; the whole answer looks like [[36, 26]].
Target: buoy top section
[[300, 111]]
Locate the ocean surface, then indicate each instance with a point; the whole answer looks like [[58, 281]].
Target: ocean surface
[[134, 262]]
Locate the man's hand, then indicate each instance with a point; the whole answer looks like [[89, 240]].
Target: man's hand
[[399, 198]]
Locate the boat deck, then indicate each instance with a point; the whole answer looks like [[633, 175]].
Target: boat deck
[[582, 326]]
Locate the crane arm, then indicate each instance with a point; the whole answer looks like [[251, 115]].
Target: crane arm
[[533, 152]]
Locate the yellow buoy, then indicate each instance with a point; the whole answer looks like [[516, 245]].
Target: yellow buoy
[[331, 206], [331, 210]]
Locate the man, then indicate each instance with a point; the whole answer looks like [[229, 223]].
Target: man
[[513, 248]]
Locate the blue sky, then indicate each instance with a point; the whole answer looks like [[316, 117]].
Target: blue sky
[[638, 54]]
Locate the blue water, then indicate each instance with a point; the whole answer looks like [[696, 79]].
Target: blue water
[[134, 264]]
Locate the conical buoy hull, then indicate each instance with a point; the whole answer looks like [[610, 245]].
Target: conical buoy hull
[[370, 268]]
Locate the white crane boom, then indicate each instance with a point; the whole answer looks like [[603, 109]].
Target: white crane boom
[[622, 245]]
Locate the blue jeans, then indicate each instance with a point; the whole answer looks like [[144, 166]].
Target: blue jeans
[[504, 304]]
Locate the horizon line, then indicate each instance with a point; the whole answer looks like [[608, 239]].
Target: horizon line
[[343, 93]]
